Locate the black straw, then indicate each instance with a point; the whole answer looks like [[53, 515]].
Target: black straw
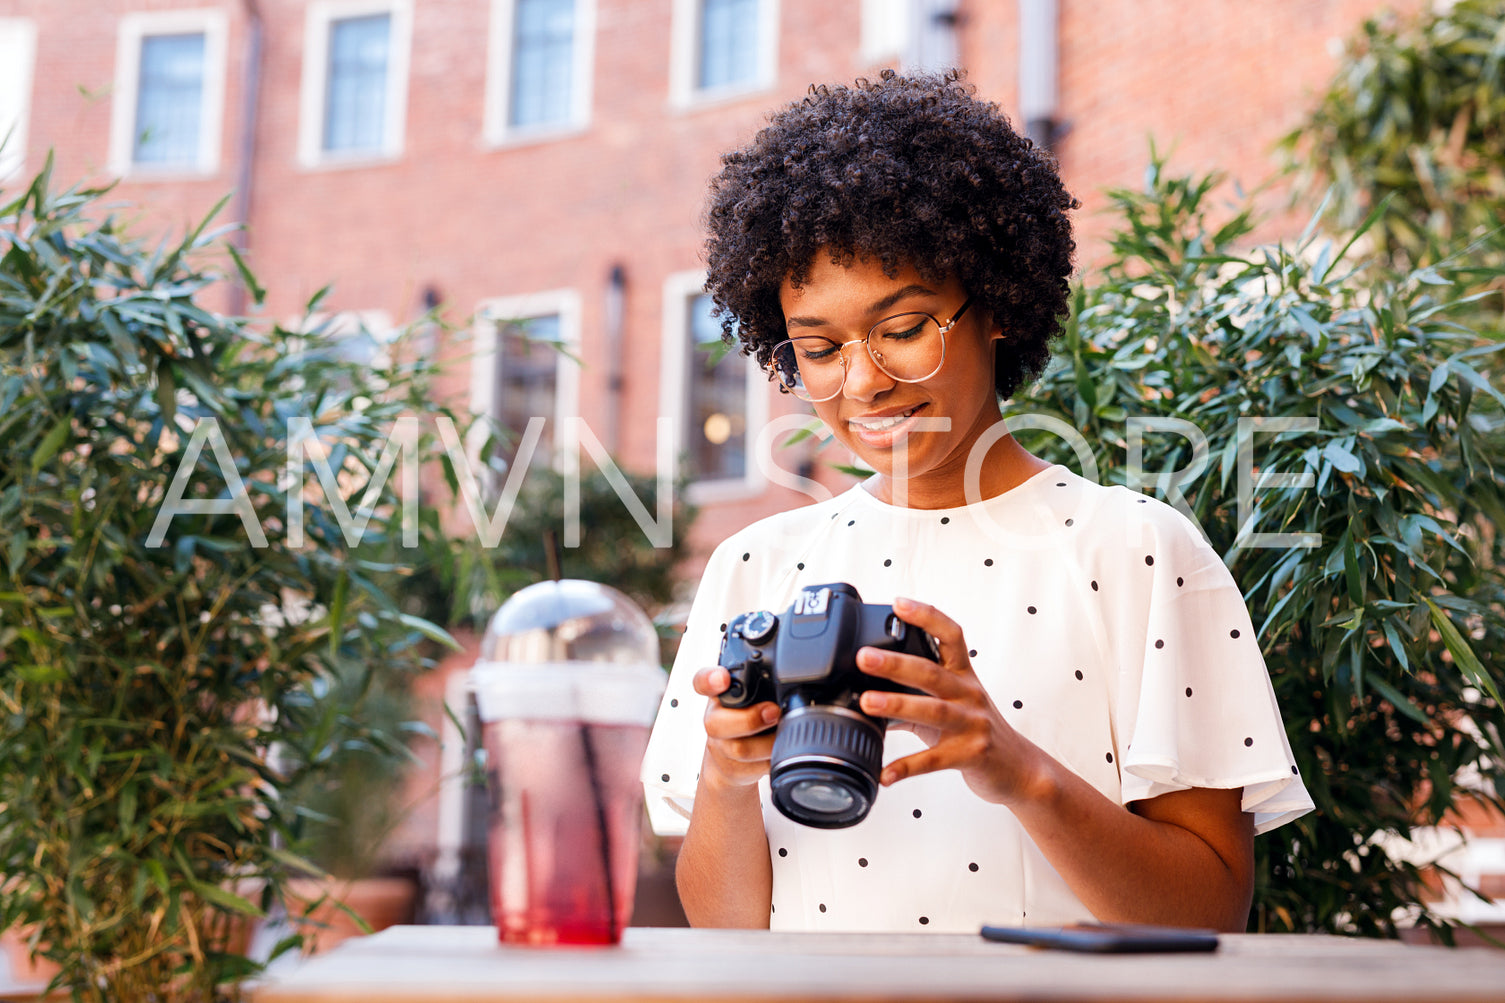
[[592, 771], [551, 555]]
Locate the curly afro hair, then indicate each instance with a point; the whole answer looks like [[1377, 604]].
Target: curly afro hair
[[904, 170]]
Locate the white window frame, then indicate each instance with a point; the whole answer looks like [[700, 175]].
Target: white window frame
[[679, 289], [684, 55], [312, 97], [18, 47], [497, 130], [490, 313], [135, 28], [885, 30]]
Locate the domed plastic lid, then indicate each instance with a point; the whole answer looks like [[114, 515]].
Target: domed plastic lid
[[569, 650]]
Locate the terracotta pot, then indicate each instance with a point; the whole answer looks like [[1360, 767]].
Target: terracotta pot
[[23, 970]]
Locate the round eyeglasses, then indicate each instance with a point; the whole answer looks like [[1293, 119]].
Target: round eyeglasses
[[908, 347]]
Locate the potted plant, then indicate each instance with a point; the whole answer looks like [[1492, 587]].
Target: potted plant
[[1377, 575], [170, 634]]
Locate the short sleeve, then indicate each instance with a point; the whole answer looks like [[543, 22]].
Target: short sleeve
[[1203, 712], [671, 765]]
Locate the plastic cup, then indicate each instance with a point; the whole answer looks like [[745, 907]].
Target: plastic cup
[[564, 741]]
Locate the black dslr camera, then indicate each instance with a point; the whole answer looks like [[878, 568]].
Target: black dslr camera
[[827, 753]]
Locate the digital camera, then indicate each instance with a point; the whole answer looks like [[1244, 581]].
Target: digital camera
[[827, 753]]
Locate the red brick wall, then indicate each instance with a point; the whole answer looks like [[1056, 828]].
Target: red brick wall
[[1214, 84]]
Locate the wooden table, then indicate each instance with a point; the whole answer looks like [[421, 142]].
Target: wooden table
[[454, 964]]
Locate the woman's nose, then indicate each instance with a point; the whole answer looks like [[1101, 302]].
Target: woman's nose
[[864, 380]]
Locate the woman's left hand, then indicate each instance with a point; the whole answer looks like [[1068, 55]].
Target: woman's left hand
[[955, 717]]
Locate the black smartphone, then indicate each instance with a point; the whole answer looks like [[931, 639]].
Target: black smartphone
[[1106, 938]]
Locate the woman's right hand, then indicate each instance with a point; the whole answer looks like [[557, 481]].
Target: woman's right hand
[[739, 740]]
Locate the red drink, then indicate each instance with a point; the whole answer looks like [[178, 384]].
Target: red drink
[[566, 824]]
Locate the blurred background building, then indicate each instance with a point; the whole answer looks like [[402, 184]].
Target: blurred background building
[[536, 167]]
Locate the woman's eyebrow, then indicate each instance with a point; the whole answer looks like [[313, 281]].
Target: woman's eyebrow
[[878, 306]]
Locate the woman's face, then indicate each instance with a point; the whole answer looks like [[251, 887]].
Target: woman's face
[[891, 426]]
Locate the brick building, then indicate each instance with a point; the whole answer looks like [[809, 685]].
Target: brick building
[[544, 161]]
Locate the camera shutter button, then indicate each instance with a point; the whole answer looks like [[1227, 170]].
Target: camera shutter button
[[896, 627]]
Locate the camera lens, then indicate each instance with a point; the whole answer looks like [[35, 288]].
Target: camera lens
[[823, 796], [825, 763]]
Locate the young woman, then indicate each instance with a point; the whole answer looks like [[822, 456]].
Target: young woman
[[1098, 737]]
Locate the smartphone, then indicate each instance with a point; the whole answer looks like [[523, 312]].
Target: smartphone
[[1107, 938]]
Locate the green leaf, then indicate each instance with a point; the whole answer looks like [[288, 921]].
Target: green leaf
[[295, 863], [337, 612], [167, 393], [1463, 654], [1341, 458], [1379, 426], [430, 630], [257, 292], [1397, 648], [126, 807], [225, 899], [1374, 216], [1351, 571], [1399, 700], [41, 674], [51, 443]]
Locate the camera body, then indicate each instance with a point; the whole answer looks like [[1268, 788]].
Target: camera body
[[827, 752]]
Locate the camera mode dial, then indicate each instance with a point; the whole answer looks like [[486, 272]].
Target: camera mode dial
[[759, 626]]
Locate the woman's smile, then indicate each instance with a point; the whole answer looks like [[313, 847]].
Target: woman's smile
[[880, 429]]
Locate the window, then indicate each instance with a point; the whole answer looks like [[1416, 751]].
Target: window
[[168, 99], [18, 45], [723, 48], [169, 92], [539, 73], [355, 89], [932, 36], [716, 407], [726, 57], [355, 68], [885, 30], [524, 369], [717, 396]]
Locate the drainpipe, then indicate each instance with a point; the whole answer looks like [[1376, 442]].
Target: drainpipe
[[615, 312], [1039, 52], [250, 101]]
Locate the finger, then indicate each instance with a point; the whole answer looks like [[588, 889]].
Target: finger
[[739, 722], [712, 681], [935, 623], [913, 711], [754, 749], [926, 761], [909, 670]]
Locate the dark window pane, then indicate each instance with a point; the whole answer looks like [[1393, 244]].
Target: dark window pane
[[527, 383], [169, 100], [355, 99], [716, 409], [543, 44], [728, 42]]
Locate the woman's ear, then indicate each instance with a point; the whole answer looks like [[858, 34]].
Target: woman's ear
[[992, 329]]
